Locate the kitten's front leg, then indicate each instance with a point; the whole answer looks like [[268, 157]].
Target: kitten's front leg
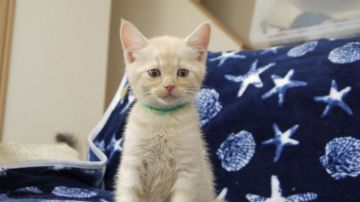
[[184, 188], [128, 184]]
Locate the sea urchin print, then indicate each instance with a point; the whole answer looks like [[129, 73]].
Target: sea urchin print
[[73, 192], [342, 157], [302, 50], [236, 151], [208, 104], [345, 54]]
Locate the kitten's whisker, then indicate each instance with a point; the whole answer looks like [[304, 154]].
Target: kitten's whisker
[[146, 91], [193, 88], [146, 99], [191, 92]]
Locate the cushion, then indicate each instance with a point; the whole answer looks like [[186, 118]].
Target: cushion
[[281, 124], [50, 172]]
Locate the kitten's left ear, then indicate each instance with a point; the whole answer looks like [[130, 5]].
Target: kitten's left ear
[[199, 40]]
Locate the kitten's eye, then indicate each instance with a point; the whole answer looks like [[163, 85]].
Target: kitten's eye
[[183, 72], [154, 73]]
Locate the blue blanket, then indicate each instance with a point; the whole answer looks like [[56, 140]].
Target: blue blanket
[[282, 124], [45, 183]]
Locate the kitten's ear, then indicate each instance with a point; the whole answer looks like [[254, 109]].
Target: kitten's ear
[[132, 40], [199, 40]]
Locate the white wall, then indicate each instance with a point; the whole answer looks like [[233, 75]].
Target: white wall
[[57, 68]]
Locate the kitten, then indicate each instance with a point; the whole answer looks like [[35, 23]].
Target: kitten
[[164, 157]]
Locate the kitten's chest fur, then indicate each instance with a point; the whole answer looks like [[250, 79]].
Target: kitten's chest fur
[[159, 165], [165, 145]]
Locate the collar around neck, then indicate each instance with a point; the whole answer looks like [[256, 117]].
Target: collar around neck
[[165, 111]]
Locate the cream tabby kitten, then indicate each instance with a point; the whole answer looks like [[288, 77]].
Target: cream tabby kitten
[[164, 157]]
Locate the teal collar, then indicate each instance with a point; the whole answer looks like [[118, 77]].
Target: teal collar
[[166, 111]]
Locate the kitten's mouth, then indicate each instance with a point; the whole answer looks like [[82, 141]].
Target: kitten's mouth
[[169, 97]]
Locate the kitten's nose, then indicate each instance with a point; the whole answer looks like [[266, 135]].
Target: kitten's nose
[[170, 88]]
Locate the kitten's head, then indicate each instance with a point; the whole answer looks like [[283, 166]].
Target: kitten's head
[[165, 71]]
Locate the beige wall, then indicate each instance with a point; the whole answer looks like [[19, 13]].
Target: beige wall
[[6, 22], [57, 68], [60, 66], [236, 14], [153, 18]]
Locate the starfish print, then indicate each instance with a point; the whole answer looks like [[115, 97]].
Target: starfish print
[[222, 195], [281, 86], [270, 50], [115, 146], [3, 172], [252, 77], [277, 195], [225, 56], [335, 98], [100, 144], [282, 139], [130, 100]]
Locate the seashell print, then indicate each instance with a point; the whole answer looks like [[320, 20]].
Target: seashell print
[[3, 197], [208, 105], [30, 189], [342, 157], [236, 151], [302, 50], [73, 192], [345, 54]]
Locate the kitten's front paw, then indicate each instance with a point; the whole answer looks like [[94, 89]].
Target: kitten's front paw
[[181, 197], [127, 197]]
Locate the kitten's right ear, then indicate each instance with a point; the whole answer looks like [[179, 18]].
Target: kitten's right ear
[[132, 40]]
